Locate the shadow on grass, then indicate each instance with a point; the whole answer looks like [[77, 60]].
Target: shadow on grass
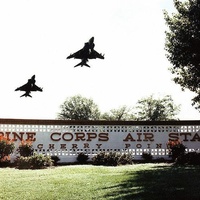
[[159, 183]]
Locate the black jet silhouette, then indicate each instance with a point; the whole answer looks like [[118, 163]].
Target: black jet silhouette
[[87, 52], [29, 87]]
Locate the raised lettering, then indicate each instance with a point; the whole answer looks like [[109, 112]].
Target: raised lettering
[[69, 135], [30, 136], [51, 146], [52, 136], [63, 146], [196, 137], [138, 146], [158, 146], [17, 136], [185, 136], [91, 136], [173, 136], [98, 146], [103, 137], [129, 137], [74, 146], [127, 146], [86, 145], [80, 136], [148, 137], [40, 146], [148, 146], [139, 137]]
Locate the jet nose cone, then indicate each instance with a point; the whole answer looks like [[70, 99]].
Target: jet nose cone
[[91, 40]]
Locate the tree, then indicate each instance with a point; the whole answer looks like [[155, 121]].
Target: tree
[[79, 108], [183, 46], [151, 109], [120, 114]]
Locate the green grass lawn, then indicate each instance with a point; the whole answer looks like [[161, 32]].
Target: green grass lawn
[[85, 182]]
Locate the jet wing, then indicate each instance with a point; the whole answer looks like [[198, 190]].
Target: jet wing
[[25, 87], [94, 54], [28, 87], [78, 55], [36, 88]]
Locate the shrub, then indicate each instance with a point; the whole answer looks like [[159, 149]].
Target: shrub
[[147, 156], [23, 162], [55, 160], [6, 148], [26, 148], [176, 149], [112, 159], [191, 158], [39, 161], [36, 161], [99, 159], [125, 159], [82, 158]]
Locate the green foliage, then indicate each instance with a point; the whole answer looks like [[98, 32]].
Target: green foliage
[[125, 159], [112, 159], [120, 114], [183, 45], [176, 149], [147, 156], [152, 109], [39, 161], [55, 160], [79, 108], [23, 162], [6, 148], [36, 161], [26, 148], [191, 158], [82, 158]]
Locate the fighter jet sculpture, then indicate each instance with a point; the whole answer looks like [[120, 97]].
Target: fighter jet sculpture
[[87, 52], [29, 87]]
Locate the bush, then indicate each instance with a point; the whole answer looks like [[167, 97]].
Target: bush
[[36, 161], [82, 158], [55, 160], [26, 148], [39, 161], [99, 159], [176, 149], [147, 156], [23, 162], [125, 159], [191, 158], [112, 159], [6, 148]]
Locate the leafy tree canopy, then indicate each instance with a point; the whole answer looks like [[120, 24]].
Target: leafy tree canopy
[[121, 114], [183, 45], [152, 109], [79, 108]]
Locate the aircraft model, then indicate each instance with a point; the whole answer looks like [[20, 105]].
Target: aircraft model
[[87, 52], [29, 87]]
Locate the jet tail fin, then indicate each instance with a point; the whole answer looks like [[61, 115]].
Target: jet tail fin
[[82, 63], [25, 95]]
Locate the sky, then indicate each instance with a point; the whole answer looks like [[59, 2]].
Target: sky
[[37, 35]]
